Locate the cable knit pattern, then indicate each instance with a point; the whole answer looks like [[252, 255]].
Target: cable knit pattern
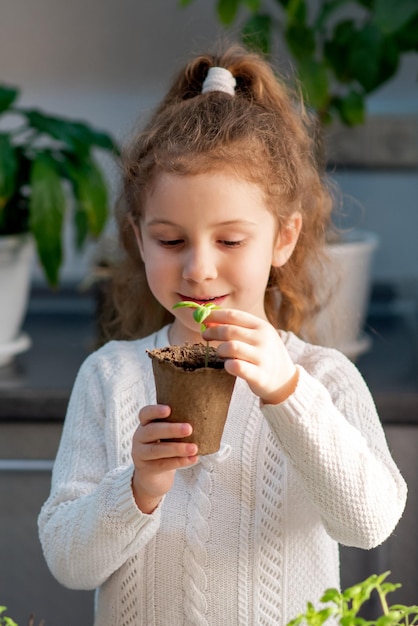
[[195, 553], [271, 523], [245, 611], [247, 535]]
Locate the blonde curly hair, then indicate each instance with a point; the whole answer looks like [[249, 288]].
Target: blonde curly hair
[[262, 134]]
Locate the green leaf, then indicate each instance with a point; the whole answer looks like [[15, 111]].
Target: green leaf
[[314, 81], [351, 108], [331, 595], [81, 226], [47, 207], [297, 11], [8, 170], [301, 42], [185, 3], [91, 197], [372, 59], [253, 5], [227, 10], [77, 136], [337, 48], [257, 33], [391, 15], [407, 37], [186, 304], [7, 96], [202, 310], [325, 12]]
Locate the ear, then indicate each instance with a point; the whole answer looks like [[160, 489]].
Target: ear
[[137, 234], [286, 240]]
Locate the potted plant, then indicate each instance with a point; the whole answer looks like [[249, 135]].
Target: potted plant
[[346, 607], [341, 51], [8, 621], [193, 375], [47, 166]]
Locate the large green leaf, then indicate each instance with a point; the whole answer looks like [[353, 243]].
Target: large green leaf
[[374, 59], [91, 196], [8, 170], [391, 15], [337, 48], [351, 108], [301, 42], [7, 96], [257, 33], [325, 11], [297, 12], [77, 136], [47, 207], [81, 225], [253, 5], [227, 10], [314, 81], [407, 37]]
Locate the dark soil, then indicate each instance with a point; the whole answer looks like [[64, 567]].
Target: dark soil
[[188, 357]]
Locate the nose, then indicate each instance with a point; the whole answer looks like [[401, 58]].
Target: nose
[[199, 264]]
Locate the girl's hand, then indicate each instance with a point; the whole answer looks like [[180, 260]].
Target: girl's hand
[[253, 351], [156, 461]]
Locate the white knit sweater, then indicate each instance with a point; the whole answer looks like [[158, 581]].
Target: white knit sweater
[[247, 535]]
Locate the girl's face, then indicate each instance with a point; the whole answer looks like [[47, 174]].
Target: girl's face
[[210, 238]]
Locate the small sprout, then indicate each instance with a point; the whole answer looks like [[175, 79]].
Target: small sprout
[[202, 311]]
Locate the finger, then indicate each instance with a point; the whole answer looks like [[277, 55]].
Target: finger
[[230, 333], [232, 317], [155, 431], [153, 412], [174, 463], [160, 450]]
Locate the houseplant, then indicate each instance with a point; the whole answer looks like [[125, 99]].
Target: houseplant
[[47, 167], [193, 375], [8, 621], [341, 52], [345, 607]]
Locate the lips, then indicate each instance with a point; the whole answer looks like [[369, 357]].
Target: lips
[[216, 300]]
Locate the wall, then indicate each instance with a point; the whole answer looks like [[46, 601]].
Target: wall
[[109, 61]]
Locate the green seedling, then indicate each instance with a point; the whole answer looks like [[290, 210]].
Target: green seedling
[[8, 621], [4, 620], [343, 607], [202, 311]]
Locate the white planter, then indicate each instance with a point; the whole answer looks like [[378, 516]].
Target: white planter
[[348, 275], [16, 255]]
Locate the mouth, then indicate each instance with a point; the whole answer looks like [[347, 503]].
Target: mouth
[[216, 300]]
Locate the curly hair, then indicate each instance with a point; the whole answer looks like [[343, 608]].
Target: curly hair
[[262, 134]]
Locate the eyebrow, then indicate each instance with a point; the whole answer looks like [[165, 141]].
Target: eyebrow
[[162, 222]]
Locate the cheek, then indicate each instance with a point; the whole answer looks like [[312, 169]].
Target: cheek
[[159, 271]]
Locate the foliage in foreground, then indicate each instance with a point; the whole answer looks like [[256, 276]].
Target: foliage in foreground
[[344, 607]]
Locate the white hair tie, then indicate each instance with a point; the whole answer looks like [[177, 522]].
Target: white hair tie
[[219, 79]]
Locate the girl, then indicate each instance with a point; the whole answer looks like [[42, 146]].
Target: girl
[[222, 202]]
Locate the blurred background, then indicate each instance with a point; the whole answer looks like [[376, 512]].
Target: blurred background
[[108, 62]]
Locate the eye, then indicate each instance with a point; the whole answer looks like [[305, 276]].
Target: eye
[[170, 243], [232, 244]]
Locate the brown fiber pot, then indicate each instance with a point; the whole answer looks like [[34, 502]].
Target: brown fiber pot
[[197, 394]]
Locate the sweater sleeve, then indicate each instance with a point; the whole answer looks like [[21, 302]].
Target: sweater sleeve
[[330, 431], [90, 524]]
